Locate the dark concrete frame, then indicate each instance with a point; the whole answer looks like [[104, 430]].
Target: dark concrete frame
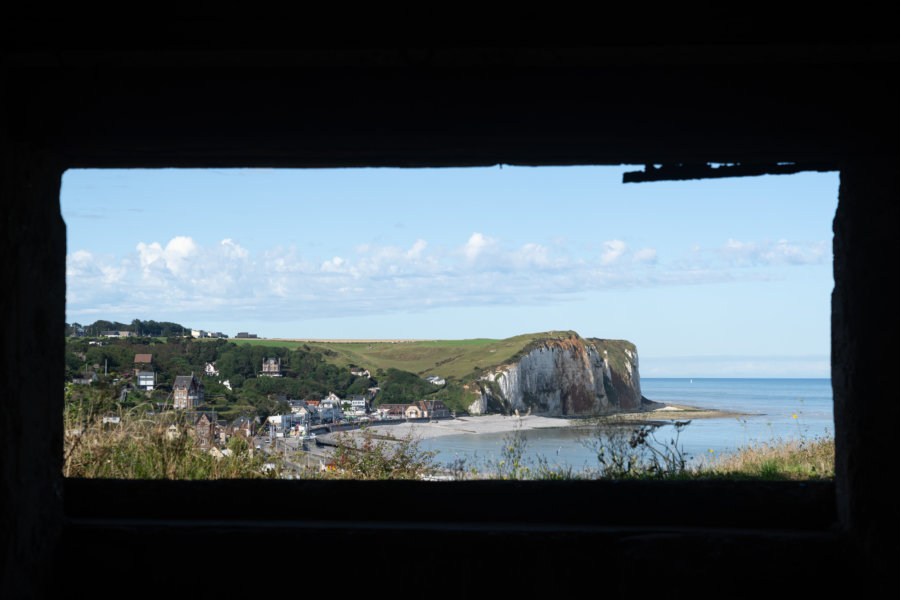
[[67, 105]]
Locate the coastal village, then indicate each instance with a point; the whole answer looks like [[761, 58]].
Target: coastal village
[[302, 424], [311, 405], [359, 408]]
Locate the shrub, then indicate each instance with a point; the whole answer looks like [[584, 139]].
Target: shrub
[[636, 451], [142, 446], [365, 456]]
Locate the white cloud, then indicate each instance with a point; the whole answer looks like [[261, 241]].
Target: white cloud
[[335, 265], [765, 253], [173, 256], [81, 256], [614, 249], [149, 253], [476, 245], [531, 255], [233, 250], [417, 249], [113, 274], [183, 275], [645, 255]]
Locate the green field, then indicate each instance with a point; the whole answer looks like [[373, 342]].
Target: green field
[[461, 362], [451, 359]]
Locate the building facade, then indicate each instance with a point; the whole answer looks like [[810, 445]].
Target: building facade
[[271, 367], [188, 392]]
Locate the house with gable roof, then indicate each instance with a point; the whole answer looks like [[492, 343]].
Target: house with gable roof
[[271, 367], [203, 428], [187, 392], [427, 409], [85, 378], [391, 411], [242, 426], [414, 411], [144, 373]]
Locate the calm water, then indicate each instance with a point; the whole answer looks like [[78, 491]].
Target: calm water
[[769, 403]]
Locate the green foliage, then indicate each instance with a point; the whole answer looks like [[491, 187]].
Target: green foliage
[[626, 452], [496, 400], [142, 446], [359, 386], [455, 397], [143, 328], [364, 456], [446, 358], [404, 387], [74, 363], [513, 462], [113, 356], [239, 445], [793, 459], [307, 374]]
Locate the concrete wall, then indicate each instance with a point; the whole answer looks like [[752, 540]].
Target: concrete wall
[[865, 329], [68, 100]]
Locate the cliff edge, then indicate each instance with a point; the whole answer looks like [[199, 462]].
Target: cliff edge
[[565, 375]]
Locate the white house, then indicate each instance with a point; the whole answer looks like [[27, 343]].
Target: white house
[[86, 378], [146, 380], [358, 404], [330, 409]]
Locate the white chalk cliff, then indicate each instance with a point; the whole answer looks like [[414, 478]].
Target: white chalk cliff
[[564, 376]]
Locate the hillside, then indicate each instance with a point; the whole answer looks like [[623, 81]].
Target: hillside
[[450, 359], [553, 373], [471, 367]]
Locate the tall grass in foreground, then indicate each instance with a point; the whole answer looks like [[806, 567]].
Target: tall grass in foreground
[[644, 452], [368, 457], [799, 459], [160, 446], [141, 446]]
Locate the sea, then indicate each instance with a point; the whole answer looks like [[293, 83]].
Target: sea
[[771, 410]]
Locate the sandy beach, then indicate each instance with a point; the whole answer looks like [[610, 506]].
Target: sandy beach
[[475, 425]]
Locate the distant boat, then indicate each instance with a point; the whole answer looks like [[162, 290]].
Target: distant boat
[[692, 380]]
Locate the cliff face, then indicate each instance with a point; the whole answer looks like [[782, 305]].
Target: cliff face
[[567, 376]]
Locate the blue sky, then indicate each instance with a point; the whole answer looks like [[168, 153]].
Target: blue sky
[[712, 278]]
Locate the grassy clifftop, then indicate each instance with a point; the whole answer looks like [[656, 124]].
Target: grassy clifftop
[[458, 360]]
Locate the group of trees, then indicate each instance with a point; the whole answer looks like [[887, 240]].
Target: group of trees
[[403, 387], [306, 372], [141, 328]]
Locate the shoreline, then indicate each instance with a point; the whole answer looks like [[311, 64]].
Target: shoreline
[[488, 424]]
